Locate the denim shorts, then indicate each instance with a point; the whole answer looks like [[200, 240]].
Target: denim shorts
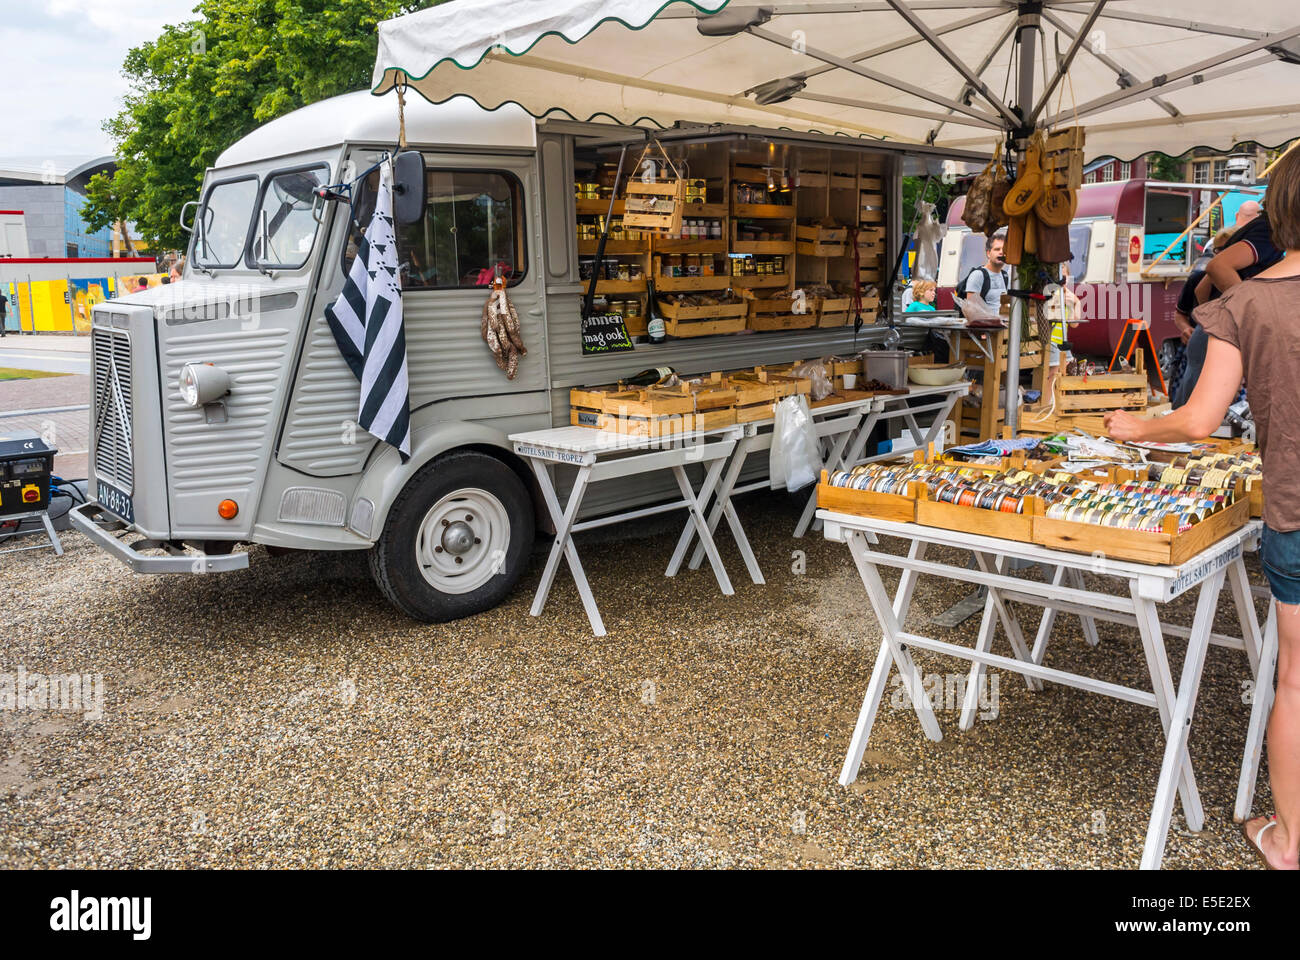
[[1279, 554]]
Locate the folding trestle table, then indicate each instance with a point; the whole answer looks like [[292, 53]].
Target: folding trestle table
[[1145, 588], [844, 430], [606, 455]]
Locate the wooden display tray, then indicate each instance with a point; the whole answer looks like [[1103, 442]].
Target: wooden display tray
[[677, 311], [754, 398], [840, 318], [1167, 547], [763, 211], [844, 181], [782, 382], [871, 184], [977, 521], [684, 284], [867, 503]]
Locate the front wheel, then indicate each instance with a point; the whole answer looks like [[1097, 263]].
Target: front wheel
[[456, 539]]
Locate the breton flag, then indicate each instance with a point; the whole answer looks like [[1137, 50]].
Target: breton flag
[[366, 321]]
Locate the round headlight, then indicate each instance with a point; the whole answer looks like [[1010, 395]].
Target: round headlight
[[202, 383]]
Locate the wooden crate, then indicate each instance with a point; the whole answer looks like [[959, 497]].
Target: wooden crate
[[816, 233], [754, 398], [779, 377], [777, 314], [1166, 547], [1039, 421], [974, 520], [687, 321], [809, 249], [1108, 391], [648, 411], [654, 206], [867, 503], [586, 404]]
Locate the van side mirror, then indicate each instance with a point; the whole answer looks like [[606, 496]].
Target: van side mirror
[[408, 187]]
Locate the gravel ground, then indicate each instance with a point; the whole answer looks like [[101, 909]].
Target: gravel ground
[[285, 716]]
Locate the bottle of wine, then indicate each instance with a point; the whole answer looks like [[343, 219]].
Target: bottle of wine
[[648, 378], [654, 328]]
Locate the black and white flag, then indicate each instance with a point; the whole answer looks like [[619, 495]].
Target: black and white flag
[[366, 321]]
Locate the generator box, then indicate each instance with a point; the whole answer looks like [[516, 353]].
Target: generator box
[[26, 462]]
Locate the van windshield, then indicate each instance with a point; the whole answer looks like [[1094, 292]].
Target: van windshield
[[221, 228]]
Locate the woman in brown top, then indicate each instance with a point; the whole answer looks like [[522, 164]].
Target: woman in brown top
[[1254, 331]]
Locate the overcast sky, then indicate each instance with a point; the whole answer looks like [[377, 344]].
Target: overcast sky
[[61, 69]]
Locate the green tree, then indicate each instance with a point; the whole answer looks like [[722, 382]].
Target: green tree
[[203, 84], [1161, 166]]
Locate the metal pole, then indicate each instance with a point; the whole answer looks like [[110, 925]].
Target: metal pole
[[1027, 34]]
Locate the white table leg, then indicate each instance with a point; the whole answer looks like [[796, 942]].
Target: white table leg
[[1259, 711], [702, 524], [834, 461], [890, 648], [563, 545], [983, 644], [1075, 576], [1010, 623], [1239, 581], [688, 532], [722, 506], [1046, 622], [1178, 727]]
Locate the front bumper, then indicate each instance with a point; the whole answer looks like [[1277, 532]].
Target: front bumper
[[173, 559]]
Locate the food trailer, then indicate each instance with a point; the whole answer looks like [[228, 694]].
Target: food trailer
[[276, 458], [1130, 251]]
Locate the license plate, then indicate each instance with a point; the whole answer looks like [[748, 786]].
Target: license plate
[[115, 501]]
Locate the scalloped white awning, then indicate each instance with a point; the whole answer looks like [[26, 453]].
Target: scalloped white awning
[[1144, 74]]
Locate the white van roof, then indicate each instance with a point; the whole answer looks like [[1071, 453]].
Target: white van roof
[[364, 118]]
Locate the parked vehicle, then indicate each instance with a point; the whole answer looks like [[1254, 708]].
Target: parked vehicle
[[279, 460]]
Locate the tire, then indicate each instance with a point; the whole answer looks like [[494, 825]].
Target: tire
[[456, 538]]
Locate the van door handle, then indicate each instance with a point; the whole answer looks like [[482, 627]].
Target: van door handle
[[536, 312]]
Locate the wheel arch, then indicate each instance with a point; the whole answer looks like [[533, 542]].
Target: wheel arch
[[386, 475]]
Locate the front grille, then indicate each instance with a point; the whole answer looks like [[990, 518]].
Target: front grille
[[111, 357]]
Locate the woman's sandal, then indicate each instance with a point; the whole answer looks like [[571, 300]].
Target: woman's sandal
[[1254, 841]]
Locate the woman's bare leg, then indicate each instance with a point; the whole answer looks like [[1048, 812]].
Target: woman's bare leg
[[1281, 845]]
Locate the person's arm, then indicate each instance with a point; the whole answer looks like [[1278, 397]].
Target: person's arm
[[1224, 271], [1203, 412], [1204, 288], [1184, 324]]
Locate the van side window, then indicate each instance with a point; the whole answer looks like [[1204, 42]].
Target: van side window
[[472, 227]]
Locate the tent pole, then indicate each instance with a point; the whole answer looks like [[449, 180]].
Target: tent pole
[[1027, 33]]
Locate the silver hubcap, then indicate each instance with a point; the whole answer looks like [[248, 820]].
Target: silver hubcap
[[462, 541]]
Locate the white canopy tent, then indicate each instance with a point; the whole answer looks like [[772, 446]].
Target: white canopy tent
[[1141, 75]]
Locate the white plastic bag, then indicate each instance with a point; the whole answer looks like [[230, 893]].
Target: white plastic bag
[[794, 461]]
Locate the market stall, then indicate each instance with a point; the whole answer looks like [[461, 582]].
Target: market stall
[[1152, 532]]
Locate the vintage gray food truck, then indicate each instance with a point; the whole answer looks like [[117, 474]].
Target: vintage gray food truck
[[223, 412]]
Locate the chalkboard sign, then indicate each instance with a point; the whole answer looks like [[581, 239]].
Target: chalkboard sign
[[605, 333]]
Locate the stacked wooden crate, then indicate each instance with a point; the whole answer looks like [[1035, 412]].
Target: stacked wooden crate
[[985, 420]]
